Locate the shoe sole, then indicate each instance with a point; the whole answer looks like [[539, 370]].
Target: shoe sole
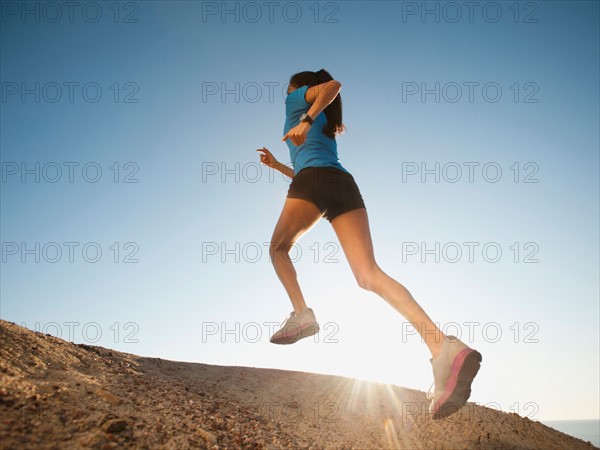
[[464, 369], [306, 330]]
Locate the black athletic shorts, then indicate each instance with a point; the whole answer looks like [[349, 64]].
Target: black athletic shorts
[[332, 190]]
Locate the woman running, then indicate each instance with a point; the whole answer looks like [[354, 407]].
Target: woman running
[[322, 187]]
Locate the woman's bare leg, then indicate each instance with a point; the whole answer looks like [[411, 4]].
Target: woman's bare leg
[[297, 218], [352, 230]]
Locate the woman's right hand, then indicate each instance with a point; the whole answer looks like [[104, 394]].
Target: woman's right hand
[[267, 158]]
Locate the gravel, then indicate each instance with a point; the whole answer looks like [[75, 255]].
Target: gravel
[[56, 394]]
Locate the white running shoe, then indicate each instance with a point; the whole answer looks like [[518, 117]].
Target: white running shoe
[[296, 327]]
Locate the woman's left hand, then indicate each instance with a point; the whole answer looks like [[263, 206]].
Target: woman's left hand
[[298, 133]]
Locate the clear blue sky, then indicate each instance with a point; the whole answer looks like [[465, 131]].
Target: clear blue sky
[[168, 130]]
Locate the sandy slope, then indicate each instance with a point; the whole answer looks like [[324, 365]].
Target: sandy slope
[[56, 394]]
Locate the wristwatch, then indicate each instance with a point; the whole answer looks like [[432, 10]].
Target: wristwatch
[[306, 118]]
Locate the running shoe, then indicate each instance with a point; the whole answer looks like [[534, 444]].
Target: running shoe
[[296, 327], [453, 371]]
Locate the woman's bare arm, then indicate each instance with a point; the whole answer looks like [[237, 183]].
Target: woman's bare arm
[[268, 159], [284, 169], [321, 96]]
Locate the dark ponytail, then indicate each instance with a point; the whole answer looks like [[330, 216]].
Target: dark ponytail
[[333, 111]]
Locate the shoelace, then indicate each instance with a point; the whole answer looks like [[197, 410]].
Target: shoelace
[[430, 391], [288, 317]]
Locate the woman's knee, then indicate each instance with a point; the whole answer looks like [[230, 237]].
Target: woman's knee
[[369, 278], [280, 247]]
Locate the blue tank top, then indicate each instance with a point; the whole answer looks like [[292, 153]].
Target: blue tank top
[[318, 150]]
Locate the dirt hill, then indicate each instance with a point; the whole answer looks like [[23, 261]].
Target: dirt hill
[[56, 394]]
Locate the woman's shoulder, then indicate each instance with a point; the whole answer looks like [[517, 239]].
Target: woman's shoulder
[[297, 97]]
